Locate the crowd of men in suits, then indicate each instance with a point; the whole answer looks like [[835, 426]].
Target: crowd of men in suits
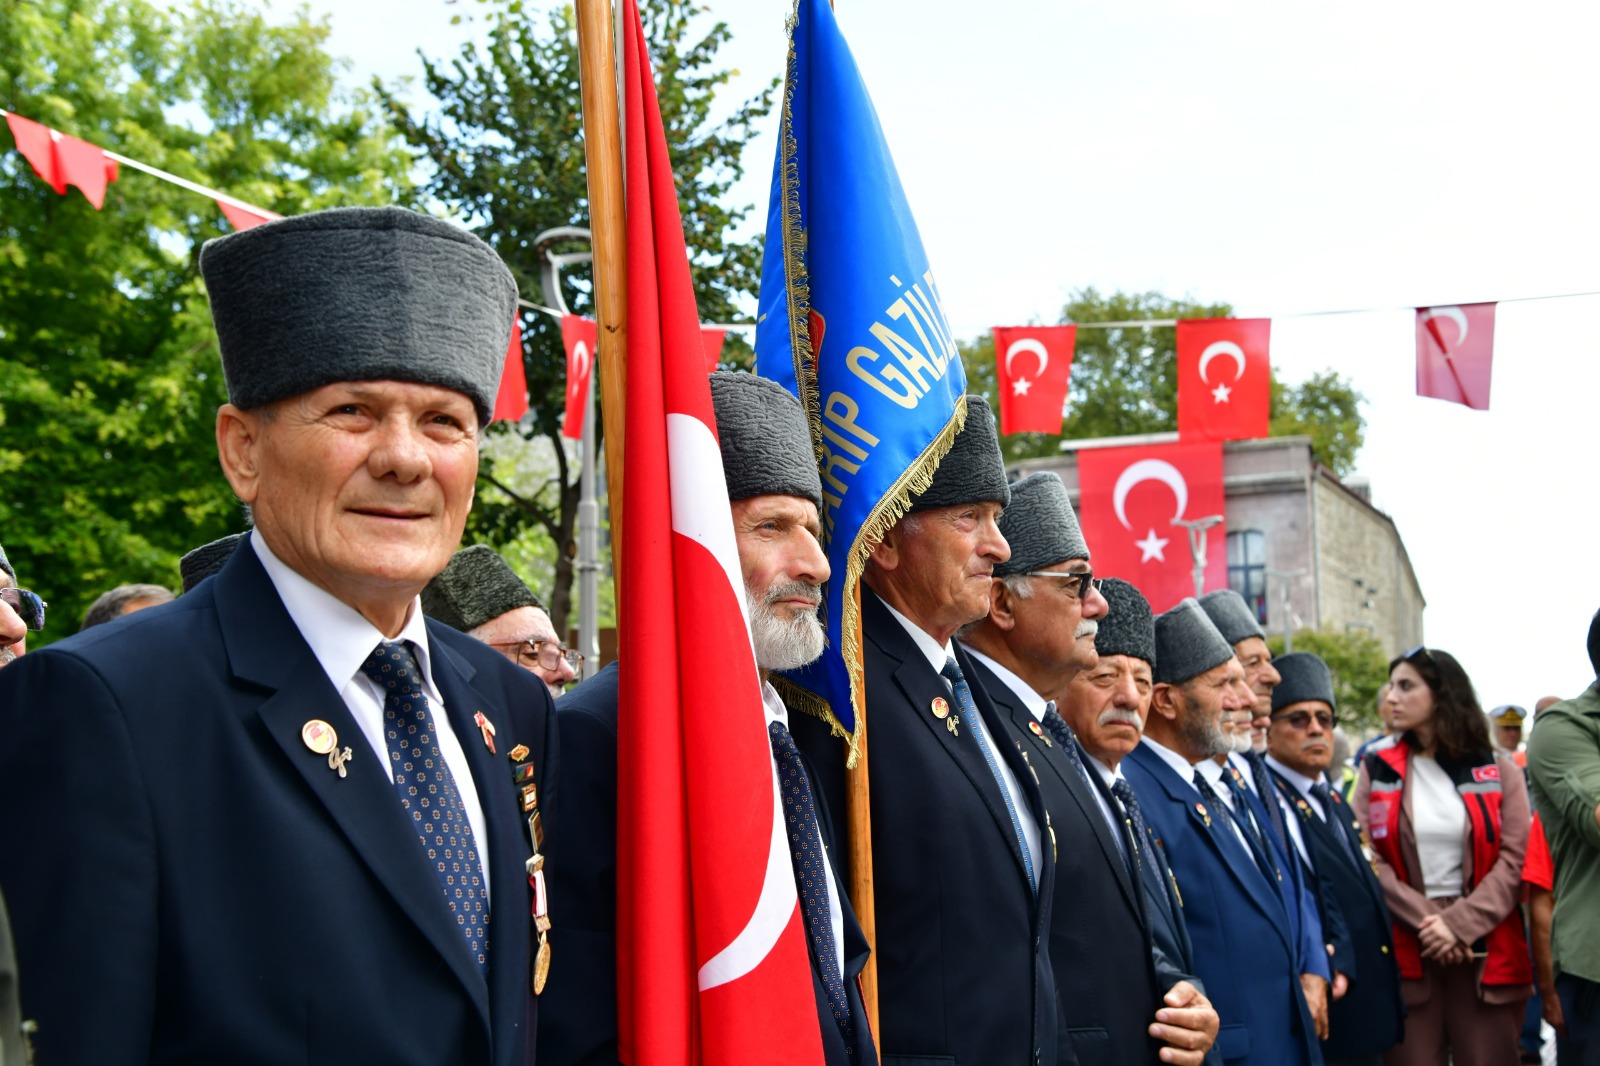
[[289, 817]]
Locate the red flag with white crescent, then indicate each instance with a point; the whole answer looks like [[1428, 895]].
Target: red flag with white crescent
[[1224, 378], [1455, 353], [1034, 368], [580, 340], [712, 959], [1128, 502]]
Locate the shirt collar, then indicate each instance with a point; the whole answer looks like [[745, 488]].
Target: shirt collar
[[338, 636], [1181, 766], [932, 650], [1300, 781], [1109, 774], [772, 703], [1210, 771], [1035, 703]]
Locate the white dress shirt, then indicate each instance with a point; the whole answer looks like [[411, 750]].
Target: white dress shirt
[[936, 655], [341, 640], [777, 712], [1302, 784], [1213, 776]]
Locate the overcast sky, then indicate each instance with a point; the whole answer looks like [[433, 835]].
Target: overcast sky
[[1284, 158]]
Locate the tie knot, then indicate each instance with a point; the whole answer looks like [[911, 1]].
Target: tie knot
[[782, 742], [392, 665], [952, 671]]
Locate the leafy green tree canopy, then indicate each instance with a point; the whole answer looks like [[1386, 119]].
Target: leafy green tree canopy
[[504, 150], [1125, 382], [109, 373]]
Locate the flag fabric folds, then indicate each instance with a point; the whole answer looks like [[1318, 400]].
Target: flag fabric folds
[[1224, 378], [1033, 365], [850, 320], [60, 160], [580, 340], [712, 959], [243, 218], [1455, 353], [1128, 500], [511, 401]]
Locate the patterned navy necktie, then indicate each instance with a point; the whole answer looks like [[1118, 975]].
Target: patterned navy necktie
[[428, 792], [811, 874], [1268, 794], [1252, 843], [958, 684], [1130, 806], [1233, 781]]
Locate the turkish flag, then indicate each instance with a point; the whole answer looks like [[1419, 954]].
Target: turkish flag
[[61, 160], [511, 402], [1128, 500], [1224, 378], [712, 339], [243, 218], [578, 336], [1034, 367], [1455, 353], [712, 958]]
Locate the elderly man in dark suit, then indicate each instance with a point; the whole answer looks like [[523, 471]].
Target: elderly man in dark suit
[[1245, 943], [1040, 632], [286, 819], [961, 852], [1369, 1018]]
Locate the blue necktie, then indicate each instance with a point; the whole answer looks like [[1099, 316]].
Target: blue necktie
[[1269, 797], [1233, 780], [1058, 728], [811, 874], [428, 793], [1252, 844], [952, 673]]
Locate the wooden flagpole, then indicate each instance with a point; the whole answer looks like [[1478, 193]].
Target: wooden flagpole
[[863, 899], [602, 146]]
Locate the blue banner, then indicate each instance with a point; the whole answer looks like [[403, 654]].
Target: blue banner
[[851, 322]]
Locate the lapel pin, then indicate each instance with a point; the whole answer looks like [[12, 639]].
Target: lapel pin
[[1201, 807], [523, 774], [951, 723], [518, 753], [322, 739], [1038, 730], [940, 707], [485, 727]]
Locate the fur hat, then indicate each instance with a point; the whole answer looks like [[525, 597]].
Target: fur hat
[[972, 470], [1128, 627], [358, 294], [1305, 677], [1188, 644], [766, 442], [200, 563], [475, 586], [1040, 526], [1231, 615]]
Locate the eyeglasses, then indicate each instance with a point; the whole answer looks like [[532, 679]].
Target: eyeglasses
[[545, 654], [28, 605], [1081, 581], [1419, 652], [1302, 719]]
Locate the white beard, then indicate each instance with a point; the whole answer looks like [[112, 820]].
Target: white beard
[[780, 644]]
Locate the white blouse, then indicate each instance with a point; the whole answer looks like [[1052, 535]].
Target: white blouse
[[1440, 821]]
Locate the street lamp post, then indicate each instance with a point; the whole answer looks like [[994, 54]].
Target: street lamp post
[[1197, 529]]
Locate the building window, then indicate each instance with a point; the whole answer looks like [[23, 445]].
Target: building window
[[1247, 569]]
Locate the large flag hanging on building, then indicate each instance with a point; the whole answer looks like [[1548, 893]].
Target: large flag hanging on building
[[1455, 353], [851, 322], [1128, 501], [713, 965], [1033, 365], [1224, 378]]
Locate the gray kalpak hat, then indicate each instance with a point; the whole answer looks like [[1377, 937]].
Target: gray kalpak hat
[[766, 442], [358, 294], [972, 471], [475, 586], [5, 564], [1305, 677], [1128, 627], [200, 563], [1040, 526], [1188, 644], [1231, 615]]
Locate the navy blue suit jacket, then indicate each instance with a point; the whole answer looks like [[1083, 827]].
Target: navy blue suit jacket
[[580, 1009], [190, 884], [963, 964], [1245, 944]]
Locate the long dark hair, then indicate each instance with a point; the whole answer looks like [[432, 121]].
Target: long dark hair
[[1459, 727]]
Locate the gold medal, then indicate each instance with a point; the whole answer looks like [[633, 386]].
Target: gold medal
[[541, 964], [940, 707], [319, 736], [519, 753]]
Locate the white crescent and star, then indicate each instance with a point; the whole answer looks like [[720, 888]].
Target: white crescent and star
[[1221, 393], [580, 362], [1033, 346], [1454, 314], [1149, 470]]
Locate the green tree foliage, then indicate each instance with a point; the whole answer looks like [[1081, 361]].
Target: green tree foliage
[[110, 371], [1125, 382], [1359, 667], [505, 150]]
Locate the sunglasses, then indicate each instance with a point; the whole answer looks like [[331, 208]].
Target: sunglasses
[[1079, 582], [1419, 652], [1302, 719], [28, 605]]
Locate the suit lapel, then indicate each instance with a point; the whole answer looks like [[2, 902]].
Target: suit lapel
[[265, 648]]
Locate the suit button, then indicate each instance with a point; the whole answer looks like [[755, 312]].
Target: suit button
[[1385, 948]]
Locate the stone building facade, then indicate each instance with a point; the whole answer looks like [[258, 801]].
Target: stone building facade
[[1294, 528]]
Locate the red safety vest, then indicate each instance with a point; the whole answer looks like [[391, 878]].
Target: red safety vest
[[1478, 784]]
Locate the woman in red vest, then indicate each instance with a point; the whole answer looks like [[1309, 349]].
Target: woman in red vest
[[1447, 822]]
